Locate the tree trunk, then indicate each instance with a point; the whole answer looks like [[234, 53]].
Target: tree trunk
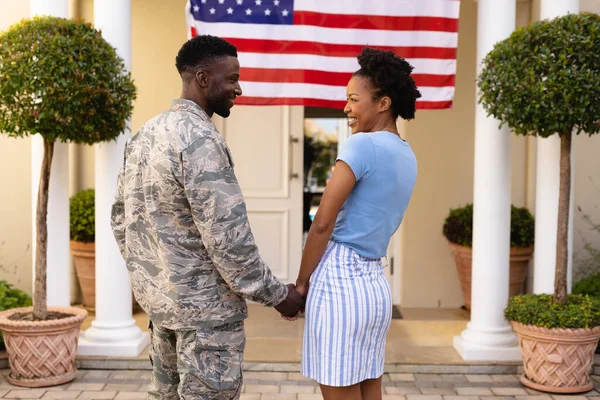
[[40, 307], [562, 237]]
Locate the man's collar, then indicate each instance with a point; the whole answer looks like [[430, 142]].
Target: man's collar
[[189, 106]]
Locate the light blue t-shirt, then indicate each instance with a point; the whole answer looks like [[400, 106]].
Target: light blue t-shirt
[[385, 168]]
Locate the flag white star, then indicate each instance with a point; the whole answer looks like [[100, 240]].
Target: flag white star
[[230, 10], [212, 10], [267, 12], [221, 1], [240, 2], [276, 2], [248, 11], [203, 1], [285, 13], [258, 2], [196, 8]]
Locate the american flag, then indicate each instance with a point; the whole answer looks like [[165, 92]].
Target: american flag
[[303, 52]]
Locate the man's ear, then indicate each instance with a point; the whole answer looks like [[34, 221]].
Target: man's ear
[[385, 103], [202, 78]]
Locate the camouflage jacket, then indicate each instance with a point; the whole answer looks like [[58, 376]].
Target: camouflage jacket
[[180, 221]]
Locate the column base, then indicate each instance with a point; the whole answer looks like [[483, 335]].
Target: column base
[[501, 345], [113, 340]]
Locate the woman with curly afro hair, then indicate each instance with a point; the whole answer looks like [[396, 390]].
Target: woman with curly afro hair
[[349, 302]]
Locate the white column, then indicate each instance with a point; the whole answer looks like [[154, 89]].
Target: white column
[[547, 187], [58, 256], [114, 332], [55, 8], [488, 336]]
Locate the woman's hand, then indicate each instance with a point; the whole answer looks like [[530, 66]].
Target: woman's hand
[[302, 289]]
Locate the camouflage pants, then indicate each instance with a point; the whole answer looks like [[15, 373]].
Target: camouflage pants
[[197, 364]]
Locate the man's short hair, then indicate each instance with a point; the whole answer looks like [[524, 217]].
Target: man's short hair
[[202, 50]]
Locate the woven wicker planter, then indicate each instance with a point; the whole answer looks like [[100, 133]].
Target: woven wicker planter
[[557, 360], [42, 353], [519, 260]]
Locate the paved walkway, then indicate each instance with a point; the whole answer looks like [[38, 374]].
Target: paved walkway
[[132, 384]]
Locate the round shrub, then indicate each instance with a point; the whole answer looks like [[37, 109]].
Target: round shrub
[[541, 310], [83, 216], [11, 297], [589, 286], [458, 227], [543, 79], [61, 79]]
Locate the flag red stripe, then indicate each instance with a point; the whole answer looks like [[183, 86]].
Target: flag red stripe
[[412, 23], [327, 78], [289, 101], [434, 105], [334, 50]]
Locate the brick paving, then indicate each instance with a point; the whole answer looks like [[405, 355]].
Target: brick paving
[[132, 385]]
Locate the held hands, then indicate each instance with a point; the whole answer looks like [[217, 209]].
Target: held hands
[[293, 303], [302, 290]]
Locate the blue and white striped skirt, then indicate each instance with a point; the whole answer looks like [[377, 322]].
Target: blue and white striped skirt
[[348, 315]]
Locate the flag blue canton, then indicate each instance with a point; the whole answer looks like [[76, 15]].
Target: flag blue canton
[[275, 12]]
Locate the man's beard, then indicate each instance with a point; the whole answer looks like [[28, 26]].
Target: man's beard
[[220, 105], [223, 112]]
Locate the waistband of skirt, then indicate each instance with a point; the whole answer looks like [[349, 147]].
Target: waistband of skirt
[[368, 259]]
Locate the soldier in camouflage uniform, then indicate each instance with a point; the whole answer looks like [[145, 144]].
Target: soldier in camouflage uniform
[[180, 221]]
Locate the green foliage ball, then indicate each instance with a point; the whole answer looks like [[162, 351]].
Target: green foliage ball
[[61, 79], [545, 78]]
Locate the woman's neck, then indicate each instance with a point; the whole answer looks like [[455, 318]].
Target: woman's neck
[[389, 126]]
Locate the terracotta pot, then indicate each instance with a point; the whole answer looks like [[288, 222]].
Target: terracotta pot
[[519, 260], [42, 353], [84, 258], [557, 360]]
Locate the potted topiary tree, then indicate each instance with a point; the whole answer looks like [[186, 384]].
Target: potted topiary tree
[[458, 229], [83, 247], [544, 80], [62, 80]]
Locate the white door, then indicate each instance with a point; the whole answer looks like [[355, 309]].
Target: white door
[[267, 147]]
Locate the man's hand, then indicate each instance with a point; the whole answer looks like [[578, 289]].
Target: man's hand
[[292, 304]]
